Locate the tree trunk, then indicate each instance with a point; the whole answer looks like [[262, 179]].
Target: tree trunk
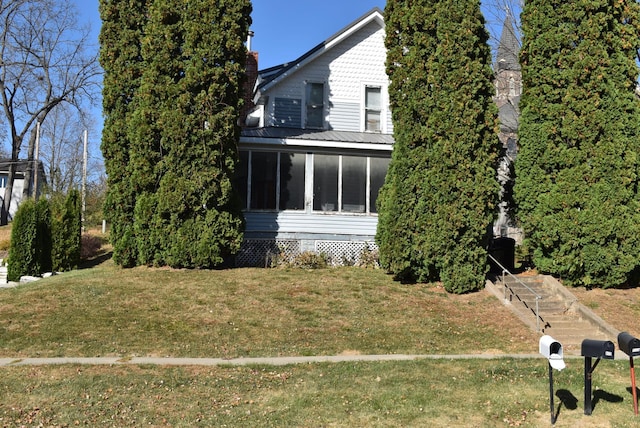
[[27, 190], [6, 202]]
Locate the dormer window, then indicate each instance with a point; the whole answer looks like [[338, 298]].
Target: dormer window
[[373, 108], [315, 105]]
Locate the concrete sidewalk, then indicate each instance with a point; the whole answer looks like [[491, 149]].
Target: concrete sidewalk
[[273, 361]]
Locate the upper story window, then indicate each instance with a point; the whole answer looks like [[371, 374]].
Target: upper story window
[[287, 112], [315, 105], [372, 108]]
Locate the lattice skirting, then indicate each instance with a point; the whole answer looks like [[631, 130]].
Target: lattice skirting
[[266, 252], [344, 253], [262, 252]]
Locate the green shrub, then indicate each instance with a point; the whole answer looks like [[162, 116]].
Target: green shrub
[[577, 180], [440, 191], [369, 258], [66, 233], [30, 251], [309, 260]]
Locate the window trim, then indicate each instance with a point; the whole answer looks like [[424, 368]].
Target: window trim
[[308, 84], [382, 110], [309, 174]]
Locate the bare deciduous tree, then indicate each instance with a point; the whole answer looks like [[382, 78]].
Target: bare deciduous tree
[[43, 63], [61, 149]]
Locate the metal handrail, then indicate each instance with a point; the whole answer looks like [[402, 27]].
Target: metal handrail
[[506, 286]]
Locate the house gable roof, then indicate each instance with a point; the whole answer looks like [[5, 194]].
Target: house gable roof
[[272, 76], [21, 167]]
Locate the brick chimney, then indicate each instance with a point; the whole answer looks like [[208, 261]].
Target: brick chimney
[[251, 68]]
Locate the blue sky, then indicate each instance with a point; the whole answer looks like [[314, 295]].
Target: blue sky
[[284, 29]]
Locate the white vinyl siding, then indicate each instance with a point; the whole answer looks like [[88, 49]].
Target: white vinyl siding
[[344, 70], [295, 224], [345, 116]]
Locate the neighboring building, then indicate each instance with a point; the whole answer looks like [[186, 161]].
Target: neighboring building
[[315, 148], [508, 84], [18, 183], [508, 91]]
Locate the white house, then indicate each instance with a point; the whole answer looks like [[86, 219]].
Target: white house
[[316, 147], [18, 183]]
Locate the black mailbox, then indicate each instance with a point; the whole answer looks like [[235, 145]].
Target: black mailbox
[[598, 349], [629, 344]]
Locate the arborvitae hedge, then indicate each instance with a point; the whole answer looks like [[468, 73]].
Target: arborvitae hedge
[[122, 29], [441, 189], [576, 181], [30, 251], [66, 231], [179, 147]]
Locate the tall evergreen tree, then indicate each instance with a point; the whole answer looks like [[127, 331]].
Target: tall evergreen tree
[[123, 25], [441, 191], [577, 169], [173, 146]]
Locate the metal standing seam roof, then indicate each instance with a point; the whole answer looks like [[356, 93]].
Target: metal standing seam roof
[[318, 135]]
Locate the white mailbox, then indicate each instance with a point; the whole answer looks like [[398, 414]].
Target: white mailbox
[[551, 349]]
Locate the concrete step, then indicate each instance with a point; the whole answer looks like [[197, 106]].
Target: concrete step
[[560, 314]]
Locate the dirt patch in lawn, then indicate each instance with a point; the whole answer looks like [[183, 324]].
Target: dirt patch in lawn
[[618, 307]]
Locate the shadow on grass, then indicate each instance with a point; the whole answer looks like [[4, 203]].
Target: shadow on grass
[[567, 399], [630, 391], [606, 396], [95, 261]]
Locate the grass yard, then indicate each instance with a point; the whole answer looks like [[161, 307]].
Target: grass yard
[[108, 311], [426, 393]]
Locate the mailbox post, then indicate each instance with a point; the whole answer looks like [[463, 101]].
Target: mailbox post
[[593, 349], [551, 349], [630, 346]]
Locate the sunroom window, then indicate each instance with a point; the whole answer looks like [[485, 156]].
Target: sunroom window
[[266, 180], [336, 183], [292, 181], [354, 184], [325, 182]]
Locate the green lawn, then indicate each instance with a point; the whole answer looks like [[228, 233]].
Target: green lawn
[[281, 312], [426, 393], [107, 311]]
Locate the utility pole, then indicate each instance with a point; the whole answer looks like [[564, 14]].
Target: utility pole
[[36, 164], [84, 178]]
